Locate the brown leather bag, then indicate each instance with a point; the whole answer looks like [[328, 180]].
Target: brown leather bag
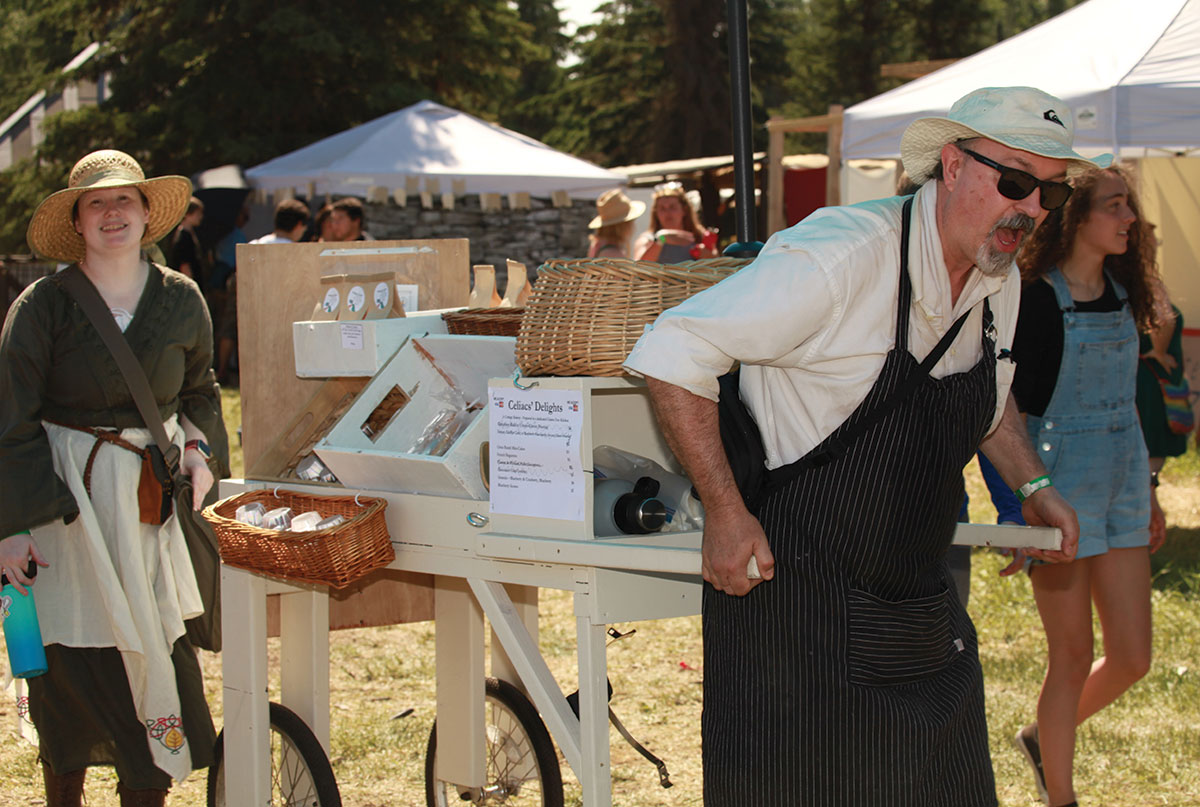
[[156, 487]]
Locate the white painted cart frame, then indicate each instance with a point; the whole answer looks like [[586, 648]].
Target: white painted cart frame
[[483, 574]]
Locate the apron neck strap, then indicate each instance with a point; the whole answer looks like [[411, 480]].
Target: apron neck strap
[[904, 301]]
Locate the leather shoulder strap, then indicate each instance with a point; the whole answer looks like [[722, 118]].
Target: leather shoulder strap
[[78, 286]]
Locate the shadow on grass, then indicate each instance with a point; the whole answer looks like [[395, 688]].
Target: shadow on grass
[[1176, 566]]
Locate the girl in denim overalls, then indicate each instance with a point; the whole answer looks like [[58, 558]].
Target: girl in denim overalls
[[1090, 266]]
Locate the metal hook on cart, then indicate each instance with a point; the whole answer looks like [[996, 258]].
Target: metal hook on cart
[[275, 492], [516, 379], [477, 519], [356, 501]]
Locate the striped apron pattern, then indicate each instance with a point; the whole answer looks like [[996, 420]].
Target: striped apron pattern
[[852, 678]]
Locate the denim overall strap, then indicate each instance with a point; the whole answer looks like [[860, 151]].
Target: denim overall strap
[[1099, 347]]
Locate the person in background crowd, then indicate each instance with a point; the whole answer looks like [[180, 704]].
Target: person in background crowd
[[346, 218], [123, 686], [291, 219], [846, 672], [674, 235], [185, 246], [1090, 286], [613, 226], [225, 255], [1161, 361], [320, 228]]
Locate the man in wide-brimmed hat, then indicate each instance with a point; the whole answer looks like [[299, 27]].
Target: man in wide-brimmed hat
[[847, 673]]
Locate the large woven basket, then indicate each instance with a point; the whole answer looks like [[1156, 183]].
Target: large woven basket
[[336, 556], [584, 316], [484, 321]]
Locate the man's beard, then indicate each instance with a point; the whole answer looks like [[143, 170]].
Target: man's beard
[[993, 262]]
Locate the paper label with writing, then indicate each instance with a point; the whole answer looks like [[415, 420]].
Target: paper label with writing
[[383, 296], [356, 298], [332, 300], [352, 337], [536, 468]]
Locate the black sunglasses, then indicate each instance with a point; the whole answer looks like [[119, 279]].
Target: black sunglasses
[[1017, 184]]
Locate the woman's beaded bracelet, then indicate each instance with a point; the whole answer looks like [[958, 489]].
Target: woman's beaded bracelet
[[1031, 487]]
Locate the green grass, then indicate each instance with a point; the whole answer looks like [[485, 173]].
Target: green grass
[[1142, 750]]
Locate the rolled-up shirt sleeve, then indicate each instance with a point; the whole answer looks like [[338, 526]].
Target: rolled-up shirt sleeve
[[771, 312]]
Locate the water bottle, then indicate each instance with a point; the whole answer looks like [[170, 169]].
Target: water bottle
[[22, 634]]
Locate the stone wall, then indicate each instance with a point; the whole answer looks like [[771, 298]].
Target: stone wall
[[530, 236]]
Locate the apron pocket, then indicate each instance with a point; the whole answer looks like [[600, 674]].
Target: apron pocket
[[898, 642]]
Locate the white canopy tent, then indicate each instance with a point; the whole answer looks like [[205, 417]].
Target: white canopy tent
[[428, 141], [1129, 69]]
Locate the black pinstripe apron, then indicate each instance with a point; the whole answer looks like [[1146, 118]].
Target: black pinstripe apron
[[852, 678]]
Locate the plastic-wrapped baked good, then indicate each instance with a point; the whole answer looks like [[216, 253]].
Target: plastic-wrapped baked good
[[332, 521], [278, 519], [306, 522], [251, 514]]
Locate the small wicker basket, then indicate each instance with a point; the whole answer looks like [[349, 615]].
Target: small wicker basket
[[584, 316], [336, 556], [484, 321]]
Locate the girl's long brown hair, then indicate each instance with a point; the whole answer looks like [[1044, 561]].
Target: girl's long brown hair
[[1136, 269], [689, 213]]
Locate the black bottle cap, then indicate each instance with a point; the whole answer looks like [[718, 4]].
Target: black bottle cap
[[30, 572], [639, 512]]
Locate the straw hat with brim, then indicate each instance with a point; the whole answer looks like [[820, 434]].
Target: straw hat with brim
[[615, 207], [1018, 117], [52, 230]]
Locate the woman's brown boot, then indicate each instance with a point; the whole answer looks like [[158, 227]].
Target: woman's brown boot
[[65, 790], [141, 798]]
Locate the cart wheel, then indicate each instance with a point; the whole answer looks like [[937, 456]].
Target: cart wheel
[[300, 772], [522, 768]]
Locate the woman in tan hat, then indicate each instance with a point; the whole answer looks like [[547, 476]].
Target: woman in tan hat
[[123, 686], [613, 226]]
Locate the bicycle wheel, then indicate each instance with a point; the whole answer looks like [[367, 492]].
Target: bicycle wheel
[[300, 772], [522, 768]]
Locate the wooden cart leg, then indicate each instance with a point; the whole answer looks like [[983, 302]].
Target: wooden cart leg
[[247, 761], [525, 600], [304, 658], [596, 773], [458, 624]]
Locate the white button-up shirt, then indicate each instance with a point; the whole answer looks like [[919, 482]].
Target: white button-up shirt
[[814, 316]]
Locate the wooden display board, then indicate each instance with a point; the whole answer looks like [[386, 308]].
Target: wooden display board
[[279, 284]]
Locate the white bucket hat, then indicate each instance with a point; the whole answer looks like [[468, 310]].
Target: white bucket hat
[[1022, 118]]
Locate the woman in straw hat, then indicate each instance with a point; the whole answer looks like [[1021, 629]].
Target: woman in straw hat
[[675, 234], [613, 226], [1091, 283], [123, 685]]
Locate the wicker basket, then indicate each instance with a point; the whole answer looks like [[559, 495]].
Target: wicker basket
[[484, 321], [585, 315], [336, 556]]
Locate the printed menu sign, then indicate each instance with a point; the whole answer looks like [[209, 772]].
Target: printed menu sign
[[535, 453]]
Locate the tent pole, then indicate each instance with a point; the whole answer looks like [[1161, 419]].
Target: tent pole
[[743, 148]]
